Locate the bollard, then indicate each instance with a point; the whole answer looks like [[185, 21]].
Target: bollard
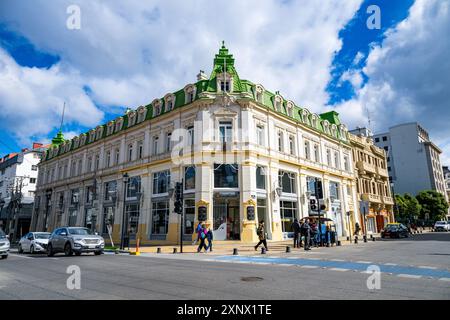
[[356, 240], [338, 243], [263, 250], [365, 238], [348, 238], [235, 252], [174, 250], [158, 250], [371, 236], [373, 239], [288, 249], [328, 244]]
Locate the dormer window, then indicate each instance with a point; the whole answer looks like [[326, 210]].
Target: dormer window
[[290, 108], [131, 118], [169, 101], [141, 113], [225, 82], [225, 86], [156, 107], [278, 103], [110, 128], [91, 135], [314, 121], [99, 132], [119, 123], [305, 117], [326, 126], [189, 92], [82, 139], [334, 130], [259, 93]]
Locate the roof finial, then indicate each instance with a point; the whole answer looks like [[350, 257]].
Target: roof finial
[[223, 44]]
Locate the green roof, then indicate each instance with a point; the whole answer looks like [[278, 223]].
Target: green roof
[[222, 60]]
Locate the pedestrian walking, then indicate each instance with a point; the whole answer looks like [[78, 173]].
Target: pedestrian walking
[[202, 236], [197, 230], [306, 233], [296, 229], [357, 229], [261, 232], [209, 236]]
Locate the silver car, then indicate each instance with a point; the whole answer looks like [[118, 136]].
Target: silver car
[[76, 240], [34, 242], [4, 245]]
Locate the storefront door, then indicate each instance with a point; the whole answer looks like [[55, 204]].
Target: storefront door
[[226, 224]]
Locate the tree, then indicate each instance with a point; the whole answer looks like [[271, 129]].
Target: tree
[[434, 206], [408, 208]]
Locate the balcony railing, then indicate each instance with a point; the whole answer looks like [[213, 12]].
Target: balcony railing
[[388, 200], [371, 197], [367, 168], [382, 172]]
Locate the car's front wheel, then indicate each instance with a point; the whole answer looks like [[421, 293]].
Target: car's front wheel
[[32, 249], [97, 253], [50, 252], [5, 257], [68, 249]]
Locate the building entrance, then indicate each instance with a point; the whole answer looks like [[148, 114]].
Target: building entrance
[[227, 222]]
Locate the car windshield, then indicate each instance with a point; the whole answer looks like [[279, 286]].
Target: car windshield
[[392, 227], [80, 231], [42, 235], [2, 234], [440, 222]]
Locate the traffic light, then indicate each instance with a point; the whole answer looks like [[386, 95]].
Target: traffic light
[[319, 189], [178, 198], [313, 204]]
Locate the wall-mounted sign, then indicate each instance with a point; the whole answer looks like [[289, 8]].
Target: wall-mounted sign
[[202, 213], [250, 213]]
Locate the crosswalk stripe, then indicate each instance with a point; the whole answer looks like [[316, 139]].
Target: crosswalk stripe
[[402, 275]]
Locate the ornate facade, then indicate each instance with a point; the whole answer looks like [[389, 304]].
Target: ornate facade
[[244, 154]]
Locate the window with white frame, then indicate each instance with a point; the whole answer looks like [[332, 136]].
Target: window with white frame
[[280, 141], [130, 152], [316, 153], [225, 131], [292, 144], [117, 156], [260, 135], [290, 108], [156, 107], [286, 181], [259, 94], [108, 159], [161, 182], [307, 150], [155, 145], [346, 163], [189, 178], [169, 101], [140, 149], [189, 92], [278, 103], [329, 157], [190, 135], [337, 163], [97, 162], [168, 142], [260, 177]]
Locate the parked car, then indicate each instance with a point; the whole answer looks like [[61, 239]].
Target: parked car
[[395, 230], [4, 245], [442, 226], [76, 240], [34, 242]]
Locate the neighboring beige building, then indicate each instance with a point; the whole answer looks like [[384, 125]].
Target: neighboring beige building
[[242, 149], [372, 181]]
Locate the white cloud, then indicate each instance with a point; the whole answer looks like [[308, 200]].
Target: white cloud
[[31, 99], [409, 75]]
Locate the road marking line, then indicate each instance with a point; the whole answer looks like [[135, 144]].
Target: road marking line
[[339, 269], [426, 267], [341, 260], [390, 264], [285, 264], [402, 275], [273, 257], [292, 258], [444, 279], [366, 262], [257, 262], [19, 256], [309, 267]]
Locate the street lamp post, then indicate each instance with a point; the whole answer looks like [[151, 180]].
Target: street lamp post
[[124, 222]]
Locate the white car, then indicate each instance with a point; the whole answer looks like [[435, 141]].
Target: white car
[[442, 226], [4, 245], [34, 242]]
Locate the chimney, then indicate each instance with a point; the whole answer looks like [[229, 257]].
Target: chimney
[[201, 76]]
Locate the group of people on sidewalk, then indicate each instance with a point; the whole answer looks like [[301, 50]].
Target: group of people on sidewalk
[[306, 233], [204, 234]]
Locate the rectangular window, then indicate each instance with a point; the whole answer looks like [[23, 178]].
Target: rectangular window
[[155, 145], [133, 187], [73, 213], [384, 138], [168, 143], [260, 177], [34, 167], [108, 159], [108, 219], [287, 181], [346, 164], [316, 153], [337, 163], [161, 182], [226, 175], [89, 194], [292, 145], [160, 217], [260, 135], [307, 152], [140, 149], [225, 86], [377, 139], [280, 141], [117, 158], [190, 135], [334, 190], [189, 216], [32, 180], [225, 131], [132, 212], [328, 157], [110, 191], [130, 152], [189, 178]]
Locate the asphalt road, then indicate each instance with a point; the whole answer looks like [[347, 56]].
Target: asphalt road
[[417, 268]]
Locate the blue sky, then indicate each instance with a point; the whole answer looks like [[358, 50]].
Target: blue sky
[[321, 55]]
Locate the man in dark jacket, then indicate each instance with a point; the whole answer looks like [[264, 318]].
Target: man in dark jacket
[[296, 229], [209, 236], [306, 232], [261, 232]]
